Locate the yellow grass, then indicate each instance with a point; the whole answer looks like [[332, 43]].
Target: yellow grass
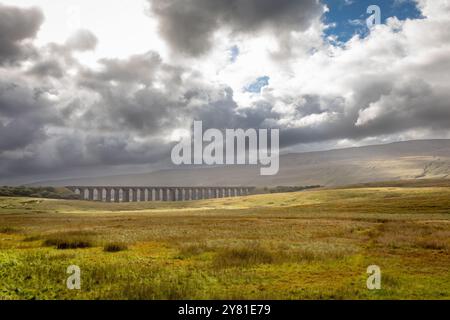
[[307, 245]]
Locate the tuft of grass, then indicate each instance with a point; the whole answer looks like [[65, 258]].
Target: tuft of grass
[[9, 230], [164, 285], [68, 243], [32, 238], [255, 254], [70, 240], [115, 247], [195, 249], [244, 256], [432, 244], [390, 280]]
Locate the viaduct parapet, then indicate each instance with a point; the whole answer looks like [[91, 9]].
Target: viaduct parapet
[[140, 194]]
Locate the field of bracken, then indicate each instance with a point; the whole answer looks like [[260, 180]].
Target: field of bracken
[[305, 245]]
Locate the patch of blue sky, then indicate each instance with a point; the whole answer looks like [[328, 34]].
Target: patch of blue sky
[[256, 87], [234, 53], [348, 17]]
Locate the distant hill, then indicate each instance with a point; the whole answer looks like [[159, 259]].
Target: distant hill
[[421, 159], [38, 192]]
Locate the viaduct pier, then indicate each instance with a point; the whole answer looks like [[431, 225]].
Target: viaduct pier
[[140, 194]]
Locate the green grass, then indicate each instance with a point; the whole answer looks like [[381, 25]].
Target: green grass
[[309, 245]]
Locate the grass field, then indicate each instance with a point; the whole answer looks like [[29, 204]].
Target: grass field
[[306, 245]]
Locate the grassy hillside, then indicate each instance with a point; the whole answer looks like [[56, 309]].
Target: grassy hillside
[[420, 159], [312, 244], [38, 192]]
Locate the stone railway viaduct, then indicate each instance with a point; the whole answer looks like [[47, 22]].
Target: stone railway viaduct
[[135, 194]]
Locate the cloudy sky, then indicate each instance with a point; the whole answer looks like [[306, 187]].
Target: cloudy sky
[[107, 86]]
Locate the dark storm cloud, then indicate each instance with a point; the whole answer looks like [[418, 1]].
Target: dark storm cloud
[[121, 150], [146, 111], [141, 100], [24, 112], [78, 150], [188, 25], [11, 139], [53, 60], [126, 123], [51, 68], [129, 97], [16, 26], [222, 112], [143, 95], [140, 68], [52, 121], [411, 103]]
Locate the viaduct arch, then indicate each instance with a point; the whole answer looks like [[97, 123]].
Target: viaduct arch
[[142, 194]]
